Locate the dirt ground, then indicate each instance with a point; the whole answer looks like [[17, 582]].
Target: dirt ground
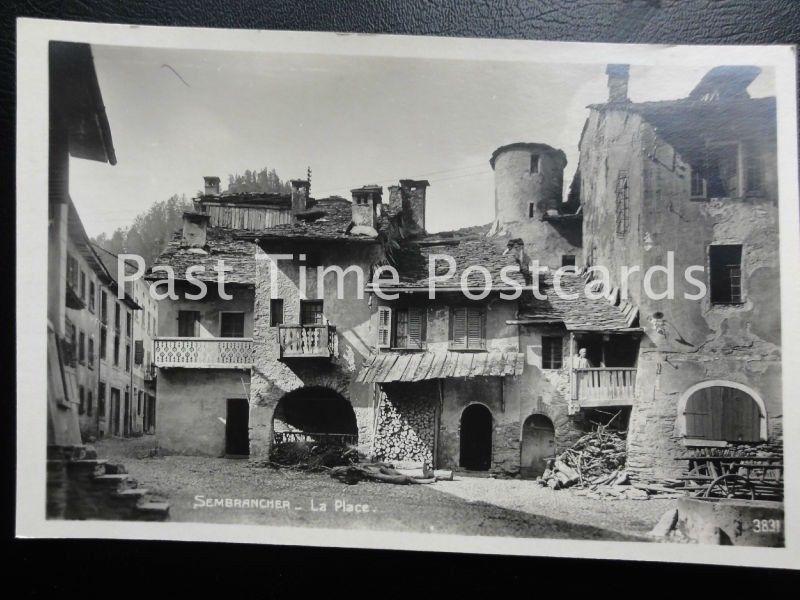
[[199, 487]]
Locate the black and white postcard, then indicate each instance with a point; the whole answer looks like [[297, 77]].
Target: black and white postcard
[[377, 291]]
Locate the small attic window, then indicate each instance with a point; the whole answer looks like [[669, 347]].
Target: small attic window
[[534, 163]]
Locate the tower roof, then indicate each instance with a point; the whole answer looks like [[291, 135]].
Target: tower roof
[[532, 147]]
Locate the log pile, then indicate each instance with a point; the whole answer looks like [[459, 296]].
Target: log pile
[[308, 456], [405, 431], [595, 459], [386, 473]]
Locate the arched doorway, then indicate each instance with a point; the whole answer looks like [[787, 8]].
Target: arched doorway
[[722, 411], [476, 438], [538, 445], [314, 414]]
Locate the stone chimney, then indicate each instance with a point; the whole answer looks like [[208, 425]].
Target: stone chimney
[[412, 192], [618, 83], [365, 206], [211, 185], [300, 189], [395, 199], [194, 229]]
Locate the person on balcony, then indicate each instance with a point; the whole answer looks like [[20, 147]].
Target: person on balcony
[[581, 361]]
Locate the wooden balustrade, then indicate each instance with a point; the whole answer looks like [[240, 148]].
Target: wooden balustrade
[[606, 386]]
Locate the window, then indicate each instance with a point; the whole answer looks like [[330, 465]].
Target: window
[[127, 357], [89, 403], [128, 323], [138, 352], [116, 316], [384, 327], [82, 287], [410, 328], [187, 323], [116, 350], [534, 163], [92, 293], [231, 324], [276, 312], [101, 399], [81, 399], [90, 357], [139, 403], [725, 274], [754, 176], [623, 203], [72, 271], [103, 306], [567, 260], [103, 340], [716, 174], [467, 329], [552, 352], [81, 347], [311, 312], [69, 347], [531, 210]]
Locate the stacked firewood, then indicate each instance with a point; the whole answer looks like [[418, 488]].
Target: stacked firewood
[[405, 432]]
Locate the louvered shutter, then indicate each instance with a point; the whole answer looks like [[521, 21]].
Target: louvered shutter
[[459, 328], [138, 352], [474, 328], [384, 327], [416, 327]]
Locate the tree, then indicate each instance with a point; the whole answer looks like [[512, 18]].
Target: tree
[[264, 181], [151, 231]]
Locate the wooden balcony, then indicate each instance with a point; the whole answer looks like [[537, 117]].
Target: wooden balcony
[[307, 341], [607, 386], [203, 353]]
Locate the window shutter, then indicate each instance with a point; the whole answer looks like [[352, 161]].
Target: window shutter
[[474, 328], [138, 351], [416, 327], [459, 327], [384, 327]]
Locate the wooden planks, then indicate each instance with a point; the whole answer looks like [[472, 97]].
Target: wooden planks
[[386, 367]]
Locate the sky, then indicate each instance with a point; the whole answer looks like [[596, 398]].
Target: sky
[[178, 115]]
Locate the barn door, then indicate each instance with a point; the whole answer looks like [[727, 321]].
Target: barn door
[[724, 414]]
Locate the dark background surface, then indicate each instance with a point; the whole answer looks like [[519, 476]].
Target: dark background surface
[[111, 567]]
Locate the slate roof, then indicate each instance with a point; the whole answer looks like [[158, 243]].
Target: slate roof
[[608, 313], [221, 244], [387, 367], [468, 246], [687, 123], [334, 224]]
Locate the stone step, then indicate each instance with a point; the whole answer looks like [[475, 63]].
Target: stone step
[[87, 463], [137, 493], [153, 510], [115, 480]]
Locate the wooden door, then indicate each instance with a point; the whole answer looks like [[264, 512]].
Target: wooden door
[[538, 445], [237, 436]]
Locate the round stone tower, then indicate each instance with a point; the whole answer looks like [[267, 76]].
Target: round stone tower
[[528, 181], [528, 190]]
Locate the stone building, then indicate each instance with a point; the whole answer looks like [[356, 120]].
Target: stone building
[[78, 128], [483, 381], [695, 177]]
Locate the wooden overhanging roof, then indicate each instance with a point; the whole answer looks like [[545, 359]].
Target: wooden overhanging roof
[[388, 367]]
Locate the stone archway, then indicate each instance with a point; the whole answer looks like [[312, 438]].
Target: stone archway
[[314, 413], [722, 410], [538, 445]]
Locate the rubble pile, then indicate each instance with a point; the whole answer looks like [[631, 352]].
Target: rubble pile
[[307, 456], [405, 432], [596, 465]]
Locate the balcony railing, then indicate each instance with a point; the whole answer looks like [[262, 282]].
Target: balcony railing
[[203, 353], [307, 341], [607, 386]]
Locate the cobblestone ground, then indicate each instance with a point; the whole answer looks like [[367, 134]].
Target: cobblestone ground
[[468, 506]]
